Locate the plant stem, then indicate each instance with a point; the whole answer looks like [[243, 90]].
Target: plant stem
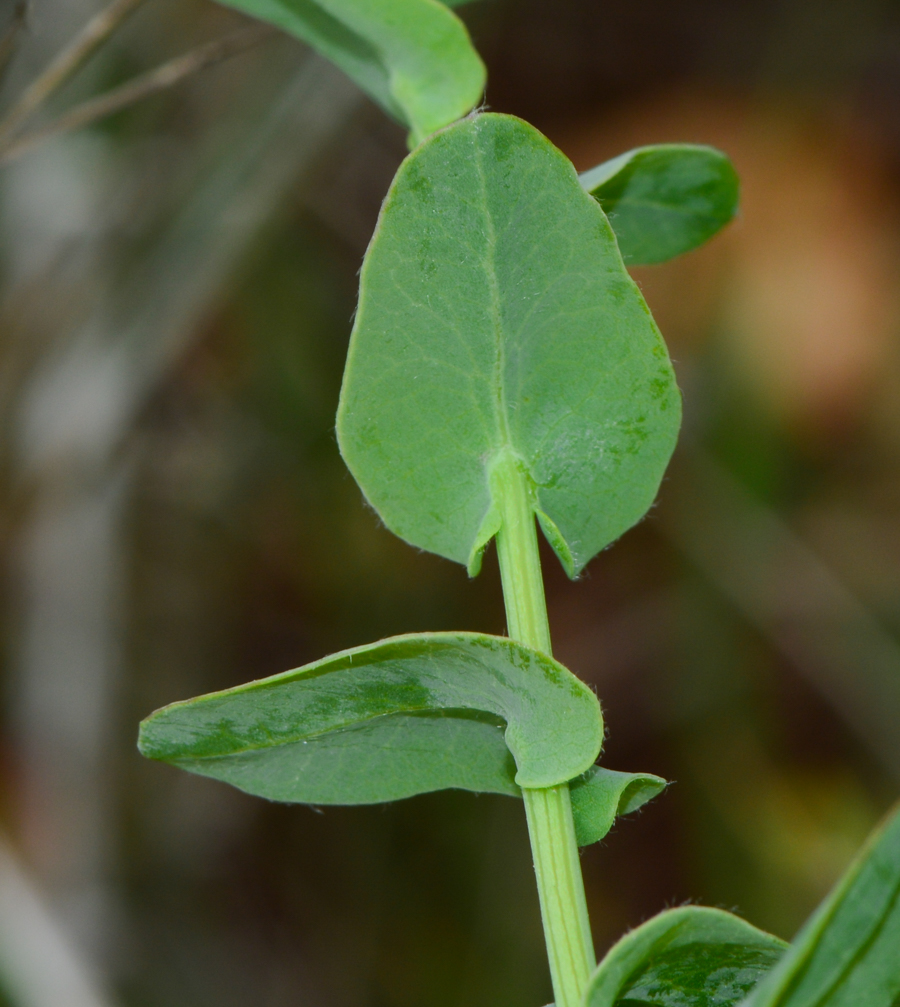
[[567, 930]]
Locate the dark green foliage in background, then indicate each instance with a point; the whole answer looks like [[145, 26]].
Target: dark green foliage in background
[[666, 199]]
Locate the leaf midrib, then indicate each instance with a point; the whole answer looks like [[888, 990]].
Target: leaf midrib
[[676, 211], [349, 725], [501, 409]]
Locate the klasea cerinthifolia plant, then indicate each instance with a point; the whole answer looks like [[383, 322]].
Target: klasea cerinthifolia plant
[[505, 373]]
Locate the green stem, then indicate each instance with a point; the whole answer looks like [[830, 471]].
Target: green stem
[[567, 929]]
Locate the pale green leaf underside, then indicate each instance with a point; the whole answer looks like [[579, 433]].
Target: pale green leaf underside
[[601, 795], [413, 57], [385, 759], [688, 957], [848, 953], [666, 199], [495, 317], [388, 720]]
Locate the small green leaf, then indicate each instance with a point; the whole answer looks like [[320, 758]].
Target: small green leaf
[[496, 321], [848, 953], [403, 716], [413, 57], [666, 199], [688, 957], [601, 795]]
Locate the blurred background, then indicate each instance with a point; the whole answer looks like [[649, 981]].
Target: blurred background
[[178, 283]]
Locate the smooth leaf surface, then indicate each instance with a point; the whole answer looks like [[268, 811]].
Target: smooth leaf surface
[[413, 57], [665, 200], [384, 759], [688, 957], [601, 795], [496, 320], [395, 718], [848, 954]]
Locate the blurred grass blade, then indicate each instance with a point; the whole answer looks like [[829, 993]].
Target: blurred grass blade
[[497, 326], [371, 724], [225, 180], [66, 62], [848, 953], [688, 957], [664, 200], [143, 86], [40, 965], [413, 57], [601, 795]]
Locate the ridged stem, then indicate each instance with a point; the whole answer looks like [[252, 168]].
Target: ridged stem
[[567, 930]]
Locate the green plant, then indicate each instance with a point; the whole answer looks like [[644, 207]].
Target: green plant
[[504, 371]]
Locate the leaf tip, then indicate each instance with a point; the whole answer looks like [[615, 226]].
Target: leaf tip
[[146, 743]]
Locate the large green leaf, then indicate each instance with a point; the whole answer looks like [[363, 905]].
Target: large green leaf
[[848, 953], [600, 795], [395, 718], [497, 325], [666, 199], [687, 957], [414, 57]]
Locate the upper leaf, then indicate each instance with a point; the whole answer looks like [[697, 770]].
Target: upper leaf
[[414, 57], [848, 953], [395, 718], [496, 320], [666, 199], [600, 795], [687, 957]]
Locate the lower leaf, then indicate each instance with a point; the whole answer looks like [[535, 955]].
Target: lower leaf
[[403, 716], [688, 957], [385, 759]]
